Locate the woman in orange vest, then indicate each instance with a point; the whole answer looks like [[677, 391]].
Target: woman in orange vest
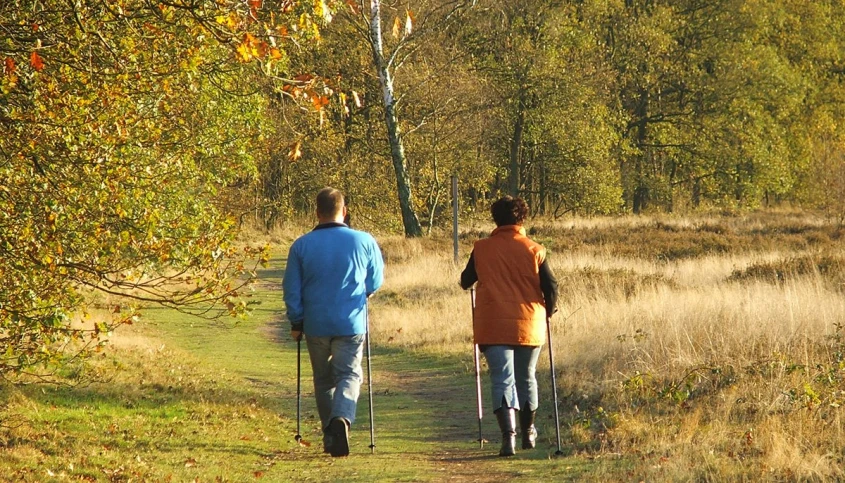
[[515, 292]]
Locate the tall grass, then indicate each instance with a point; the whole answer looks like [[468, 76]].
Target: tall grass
[[709, 347]]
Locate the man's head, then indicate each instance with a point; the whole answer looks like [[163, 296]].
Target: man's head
[[330, 205], [509, 211]]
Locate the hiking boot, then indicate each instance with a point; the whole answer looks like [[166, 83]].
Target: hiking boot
[[339, 433], [507, 423], [526, 426]]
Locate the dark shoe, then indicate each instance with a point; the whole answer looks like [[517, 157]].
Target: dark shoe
[[339, 431], [526, 426], [507, 423], [327, 441]]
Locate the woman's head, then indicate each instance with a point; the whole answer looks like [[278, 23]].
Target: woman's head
[[509, 211]]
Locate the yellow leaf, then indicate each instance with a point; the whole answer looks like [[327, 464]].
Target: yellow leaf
[[295, 153], [243, 52], [396, 26]]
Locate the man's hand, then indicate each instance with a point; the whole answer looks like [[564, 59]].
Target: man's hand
[[296, 335]]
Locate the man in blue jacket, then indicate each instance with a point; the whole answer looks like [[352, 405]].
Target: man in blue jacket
[[330, 273]]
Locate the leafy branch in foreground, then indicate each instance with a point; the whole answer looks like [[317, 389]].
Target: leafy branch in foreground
[[123, 123]]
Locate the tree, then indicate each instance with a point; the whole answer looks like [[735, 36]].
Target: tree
[[549, 92], [123, 122], [713, 105]]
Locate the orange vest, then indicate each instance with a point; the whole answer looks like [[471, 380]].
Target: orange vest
[[509, 305]]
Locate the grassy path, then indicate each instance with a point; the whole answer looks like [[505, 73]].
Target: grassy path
[[208, 401], [424, 414]]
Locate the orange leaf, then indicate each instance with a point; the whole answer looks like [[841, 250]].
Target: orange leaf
[[303, 78], [276, 54], [320, 102], [255, 3], [36, 61], [353, 5], [9, 66]]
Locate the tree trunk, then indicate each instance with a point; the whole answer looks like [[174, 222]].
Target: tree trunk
[[641, 191], [394, 136], [516, 145]]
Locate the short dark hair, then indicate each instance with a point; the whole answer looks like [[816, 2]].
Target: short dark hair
[[509, 211], [329, 202]]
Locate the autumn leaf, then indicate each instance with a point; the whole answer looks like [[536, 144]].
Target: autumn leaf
[[353, 5], [232, 20], [409, 23], [36, 61], [356, 99], [9, 66], [343, 103], [396, 26], [320, 102], [294, 152]]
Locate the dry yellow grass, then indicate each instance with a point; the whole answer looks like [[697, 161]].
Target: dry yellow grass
[[666, 357]]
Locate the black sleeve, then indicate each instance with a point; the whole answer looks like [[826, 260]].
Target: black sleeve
[[548, 283], [468, 276]]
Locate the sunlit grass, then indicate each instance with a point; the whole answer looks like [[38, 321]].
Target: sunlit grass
[[724, 361]]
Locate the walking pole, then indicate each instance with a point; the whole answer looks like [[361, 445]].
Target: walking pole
[[477, 376], [369, 379], [554, 383], [298, 436]]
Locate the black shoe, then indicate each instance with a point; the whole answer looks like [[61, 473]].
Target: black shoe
[[327, 441], [339, 431], [507, 423], [526, 426]]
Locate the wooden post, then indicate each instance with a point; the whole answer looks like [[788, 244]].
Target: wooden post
[[455, 215]]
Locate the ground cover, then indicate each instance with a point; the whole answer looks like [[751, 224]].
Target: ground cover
[[709, 365]]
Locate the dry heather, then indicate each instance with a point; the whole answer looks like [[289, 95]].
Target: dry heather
[[708, 347]]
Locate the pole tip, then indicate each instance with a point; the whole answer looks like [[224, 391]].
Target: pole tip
[[297, 438]]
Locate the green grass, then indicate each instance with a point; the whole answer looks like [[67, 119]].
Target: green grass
[[216, 401]]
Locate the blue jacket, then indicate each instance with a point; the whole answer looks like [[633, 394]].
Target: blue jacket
[[329, 275]]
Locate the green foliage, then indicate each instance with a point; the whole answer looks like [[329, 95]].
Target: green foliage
[[123, 123]]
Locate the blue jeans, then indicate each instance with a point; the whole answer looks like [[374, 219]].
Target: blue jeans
[[513, 374], [336, 363]]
